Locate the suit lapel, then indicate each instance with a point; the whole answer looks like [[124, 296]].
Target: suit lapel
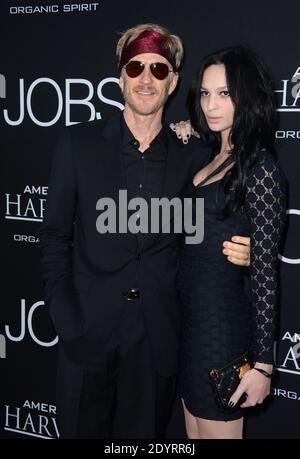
[[174, 173], [113, 154], [174, 169], [114, 173]]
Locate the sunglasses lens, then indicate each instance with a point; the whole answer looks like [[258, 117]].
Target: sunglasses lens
[[159, 70], [134, 68]]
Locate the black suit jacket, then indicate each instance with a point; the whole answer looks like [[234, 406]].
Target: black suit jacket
[[84, 272]]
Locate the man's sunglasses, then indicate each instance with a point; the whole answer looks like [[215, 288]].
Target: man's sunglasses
[[158, 69]]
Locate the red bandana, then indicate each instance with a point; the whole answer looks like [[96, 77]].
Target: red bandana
[[148, 41]]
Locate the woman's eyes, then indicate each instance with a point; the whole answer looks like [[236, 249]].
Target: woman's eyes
[[221, 93]]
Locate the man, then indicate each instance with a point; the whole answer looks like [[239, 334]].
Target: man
[[112, 296]]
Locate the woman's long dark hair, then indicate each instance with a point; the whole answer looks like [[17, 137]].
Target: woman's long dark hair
[[251, 89]]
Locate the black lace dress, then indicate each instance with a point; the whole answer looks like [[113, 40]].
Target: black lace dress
[[220, 321]]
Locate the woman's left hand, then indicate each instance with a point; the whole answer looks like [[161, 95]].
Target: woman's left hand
[[255, 385]]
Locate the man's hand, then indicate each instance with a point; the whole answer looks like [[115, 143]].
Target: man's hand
[[238, 251]]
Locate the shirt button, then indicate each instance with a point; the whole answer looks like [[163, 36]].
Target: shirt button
[[140, 185], [142, 156], [135, 143]]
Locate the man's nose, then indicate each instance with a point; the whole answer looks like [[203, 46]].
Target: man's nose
[[146, 75]]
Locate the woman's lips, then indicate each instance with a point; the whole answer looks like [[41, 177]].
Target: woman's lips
[[214, 119]]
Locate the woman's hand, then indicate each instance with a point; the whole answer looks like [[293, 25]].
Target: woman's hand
[[183, 130], [255, 385]]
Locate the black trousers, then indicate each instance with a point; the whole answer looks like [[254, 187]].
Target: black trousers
[[123, 397]]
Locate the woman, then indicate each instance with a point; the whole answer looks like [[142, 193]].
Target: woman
[[232, 106]]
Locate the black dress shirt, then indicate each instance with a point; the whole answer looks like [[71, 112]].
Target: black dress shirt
[[145, 171]]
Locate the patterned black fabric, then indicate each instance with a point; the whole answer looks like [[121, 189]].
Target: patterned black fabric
[[220, 321], [265, 208]]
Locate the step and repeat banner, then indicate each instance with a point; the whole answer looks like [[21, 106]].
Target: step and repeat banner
[[57, 68]]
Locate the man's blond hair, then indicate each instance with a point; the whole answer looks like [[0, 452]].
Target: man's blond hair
[[173, 43]]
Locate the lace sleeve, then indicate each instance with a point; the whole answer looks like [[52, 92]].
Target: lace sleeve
[[265, 208]]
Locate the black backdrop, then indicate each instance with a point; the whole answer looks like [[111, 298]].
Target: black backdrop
[[57, 66]]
